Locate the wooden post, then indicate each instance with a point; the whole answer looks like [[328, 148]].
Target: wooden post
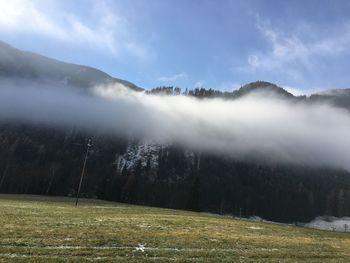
[[83, 171]]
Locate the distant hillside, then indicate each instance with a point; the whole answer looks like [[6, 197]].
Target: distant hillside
[[19, 64], [258, 87], [264, 86], [338, 97]]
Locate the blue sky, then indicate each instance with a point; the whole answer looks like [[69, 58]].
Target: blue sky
[[302, 45]]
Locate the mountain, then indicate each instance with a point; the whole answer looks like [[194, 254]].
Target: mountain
[[263, 86], [337, 97], [259, 88], [17, 64], [42, 160]]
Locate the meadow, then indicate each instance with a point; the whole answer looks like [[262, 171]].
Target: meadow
[[53, 229]]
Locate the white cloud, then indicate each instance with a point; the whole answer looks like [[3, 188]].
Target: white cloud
[[172, 78], [259, 125], [283, 49], [292, 52], [104, 29], [24, 16]]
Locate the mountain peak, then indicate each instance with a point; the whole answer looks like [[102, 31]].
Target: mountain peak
[[263, 86]]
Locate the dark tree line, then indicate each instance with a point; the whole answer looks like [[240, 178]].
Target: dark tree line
[[47, 161], [202, 92]]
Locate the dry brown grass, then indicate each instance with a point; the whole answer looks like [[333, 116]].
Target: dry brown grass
[[46, 229]]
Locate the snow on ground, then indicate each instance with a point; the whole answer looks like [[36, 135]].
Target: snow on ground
[[255, 227], [140, 247], [260, 219], [331, 223]]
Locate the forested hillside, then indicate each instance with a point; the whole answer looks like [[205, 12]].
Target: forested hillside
[[36, 160]]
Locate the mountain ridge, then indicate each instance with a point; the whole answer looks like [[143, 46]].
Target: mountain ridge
[[15, 63], [29, 65], [263, 86]]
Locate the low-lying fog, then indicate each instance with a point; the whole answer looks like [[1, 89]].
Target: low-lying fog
[[256, 125]]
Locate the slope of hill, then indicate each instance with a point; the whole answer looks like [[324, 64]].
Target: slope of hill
[[18, 64], [44, 229], [263, 86], [337, 97]]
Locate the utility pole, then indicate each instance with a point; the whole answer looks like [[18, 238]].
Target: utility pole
[[89, 145]]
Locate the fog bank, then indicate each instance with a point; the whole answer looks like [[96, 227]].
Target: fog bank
[[260, 125]]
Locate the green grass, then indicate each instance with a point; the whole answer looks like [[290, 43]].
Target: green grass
[[46, 229]]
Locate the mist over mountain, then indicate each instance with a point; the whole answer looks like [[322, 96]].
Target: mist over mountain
[[336, 97], [259, 148], [22, 66]]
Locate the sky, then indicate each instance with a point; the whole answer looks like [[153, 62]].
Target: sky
[[300, 45]]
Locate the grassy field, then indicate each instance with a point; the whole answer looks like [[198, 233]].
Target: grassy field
[[43, 229]]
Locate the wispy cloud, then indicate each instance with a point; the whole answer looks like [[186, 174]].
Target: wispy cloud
[[283, 49], [105, 29], [25, 16], [294, 53], [172, 78]]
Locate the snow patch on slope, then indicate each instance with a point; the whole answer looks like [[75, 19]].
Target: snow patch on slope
[[341, 224], [143, 154]]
